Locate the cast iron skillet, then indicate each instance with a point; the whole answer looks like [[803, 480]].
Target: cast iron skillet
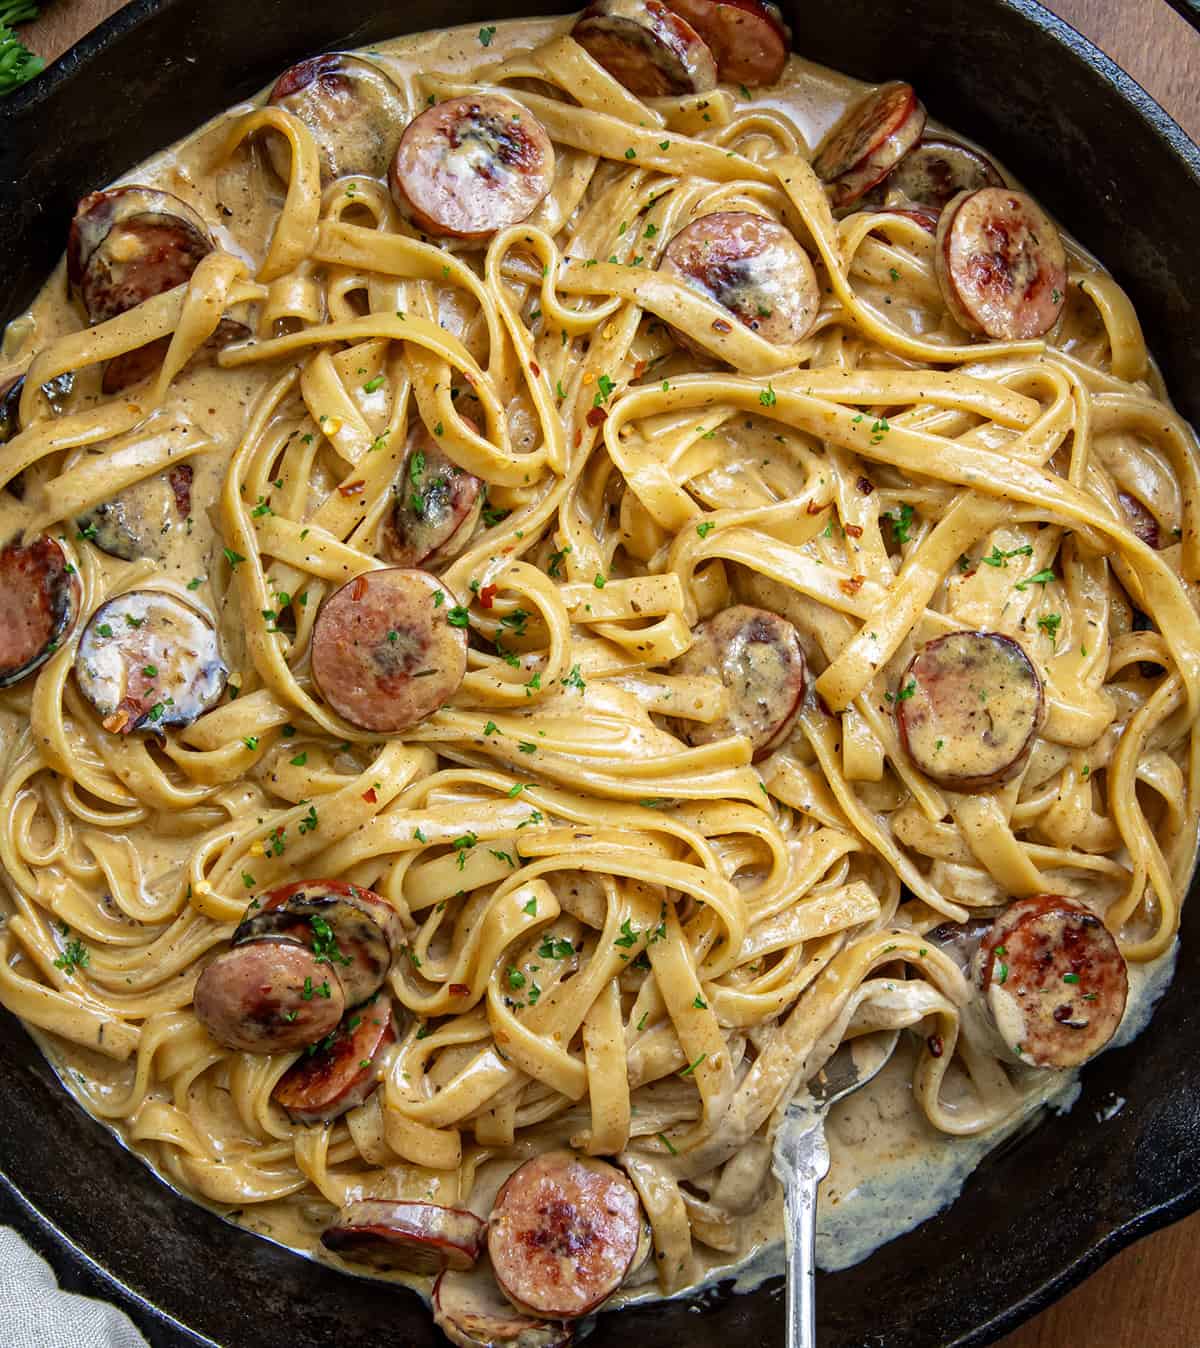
[[1033, 1220]]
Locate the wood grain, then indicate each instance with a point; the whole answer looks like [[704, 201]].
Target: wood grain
[[1144, 1298]]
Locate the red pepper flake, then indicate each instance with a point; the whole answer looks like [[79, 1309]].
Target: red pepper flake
[[578, 439], [536, 368], [639, 369], [369, 796], [936, 1046], [719, 325], [853, 530], [815, 507], [352, 488], [865, 485], [486, 595], [359, 589], [597, 416], [853, 585], [459, 990]]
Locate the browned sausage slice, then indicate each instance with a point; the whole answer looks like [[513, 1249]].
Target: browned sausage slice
[[968, 709], [960, 940], [10, 407], [748, 38], [136, 521], [1140, 520], [349, 928], [470, 1310], [340, 1072], [1053, 980], [647, 47], [758, 657], [39, 599], [928, 220], [415, 1237], [751, 266], [563, 1233], [251, 998], [385, 655], [147, 661], [131, 367], [470, 166], [935, 171], [869, 141], [438, 505], [129, 244], [1000, 264], [354, 111]]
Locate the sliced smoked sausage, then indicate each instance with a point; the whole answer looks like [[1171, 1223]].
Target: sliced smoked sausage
[[438, 505], [137, 521], [758, 657], [563, 1233], [252, 997], [747, 38], [470, 1310], [869, 141], [349, 929], [354, 111], [39, 600], [131, 243], [392, 1234], [385, 654], [340, 1072], [1052, 980], [751, 266], [471, 166], [968, 709], [1000, 264], [1140, 520], [147, 661], [10, 409], [142, 362], [935, 171], [647, 46]]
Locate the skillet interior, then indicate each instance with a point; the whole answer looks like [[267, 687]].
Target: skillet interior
[[1034, 1219]]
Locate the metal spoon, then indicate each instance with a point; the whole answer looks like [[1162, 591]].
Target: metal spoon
[[802, 1162]]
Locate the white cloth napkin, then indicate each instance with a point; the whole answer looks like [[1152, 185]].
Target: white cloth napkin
[[35, 1314]]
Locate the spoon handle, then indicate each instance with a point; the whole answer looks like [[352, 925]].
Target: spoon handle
[[810, 1164]]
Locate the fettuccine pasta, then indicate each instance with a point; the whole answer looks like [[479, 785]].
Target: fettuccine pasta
[[627, 925]]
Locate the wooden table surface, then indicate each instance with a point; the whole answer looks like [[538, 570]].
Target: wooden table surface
[[1143, 1298]]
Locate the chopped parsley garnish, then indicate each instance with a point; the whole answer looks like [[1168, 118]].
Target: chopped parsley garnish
[[233, 558], [1049, 623], [705, 529], [555, 948], [486, 35], [373, 385], [628, 936], [309, 823], [574, 679], [75, 956], [901, 522], [458, 617], [767, 397], [1038, 578], [325, 946]]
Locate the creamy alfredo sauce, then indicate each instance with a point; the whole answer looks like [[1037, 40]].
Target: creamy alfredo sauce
[[890, 1169]]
